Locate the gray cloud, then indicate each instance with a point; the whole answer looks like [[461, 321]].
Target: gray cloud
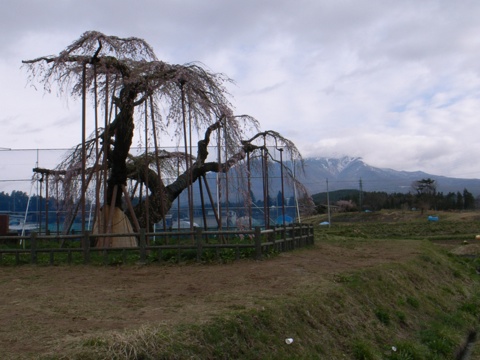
[[395, 82]]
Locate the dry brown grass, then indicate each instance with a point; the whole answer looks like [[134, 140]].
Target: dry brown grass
[[45, 306]]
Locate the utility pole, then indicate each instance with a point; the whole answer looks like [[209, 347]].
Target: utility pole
[[328, 204], [360, 200]]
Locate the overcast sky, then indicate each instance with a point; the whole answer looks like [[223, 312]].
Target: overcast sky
[[394, 82]]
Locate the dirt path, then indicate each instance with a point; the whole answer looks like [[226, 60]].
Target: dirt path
[[42, 305]]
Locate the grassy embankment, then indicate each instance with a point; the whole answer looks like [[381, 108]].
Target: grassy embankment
[[422, 308]]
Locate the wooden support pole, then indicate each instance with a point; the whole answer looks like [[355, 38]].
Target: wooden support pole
[[86, 247], [84, 139], [258, 243], [130, 208], [198, 241], [33, 247], [112, 210], [142, 245], [47, 232]]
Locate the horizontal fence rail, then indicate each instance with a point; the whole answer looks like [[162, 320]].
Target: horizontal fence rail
[[176, 246]]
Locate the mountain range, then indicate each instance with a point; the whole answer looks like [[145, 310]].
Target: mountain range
[[344, 173], [353, 173]]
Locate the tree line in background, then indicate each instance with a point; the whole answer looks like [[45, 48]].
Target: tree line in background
[[17, 201], [424, 196]]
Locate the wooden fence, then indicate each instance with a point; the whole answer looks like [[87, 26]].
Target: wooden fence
[[192, 245]]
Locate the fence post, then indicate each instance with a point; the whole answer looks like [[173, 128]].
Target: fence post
[[273, 237], [300, 233], [198, 241], [294, 236], [290, 236], [142, 245], [86, 247], [33, 247], [307, 235], [258, 243], [304, 233]]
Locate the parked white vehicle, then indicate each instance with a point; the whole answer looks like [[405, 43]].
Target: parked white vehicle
[[184, 224], [21, 227]]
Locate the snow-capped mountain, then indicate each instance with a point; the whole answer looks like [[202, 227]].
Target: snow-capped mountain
[[352, 173], [342, 173], [336, 166]]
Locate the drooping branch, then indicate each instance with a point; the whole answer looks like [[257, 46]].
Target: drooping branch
[[133, 64], [179, 93], [201, 166]]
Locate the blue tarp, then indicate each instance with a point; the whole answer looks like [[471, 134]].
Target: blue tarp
[[279, 220]]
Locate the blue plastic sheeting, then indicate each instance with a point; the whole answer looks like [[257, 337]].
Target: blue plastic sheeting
[[433, 218], [288, 220]]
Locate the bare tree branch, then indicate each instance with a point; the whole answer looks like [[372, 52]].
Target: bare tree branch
[[125, 71]]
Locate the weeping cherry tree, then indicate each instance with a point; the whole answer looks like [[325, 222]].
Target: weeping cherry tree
[[124, 77]]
